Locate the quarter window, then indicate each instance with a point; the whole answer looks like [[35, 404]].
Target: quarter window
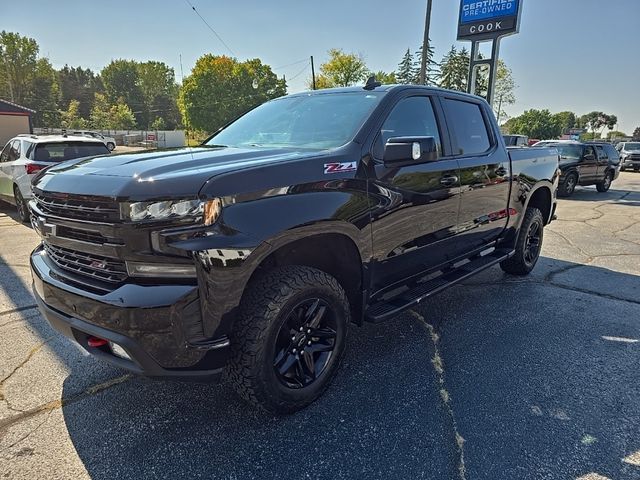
[[411, 117], [470, 128]]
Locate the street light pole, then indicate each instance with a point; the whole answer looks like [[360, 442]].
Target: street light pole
[[425, 46]]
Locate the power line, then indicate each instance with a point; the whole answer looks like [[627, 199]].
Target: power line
[[291, 64], [299, 73], [210, 28]]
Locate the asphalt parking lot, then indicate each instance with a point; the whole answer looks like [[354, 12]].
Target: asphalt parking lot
[[498, 378]]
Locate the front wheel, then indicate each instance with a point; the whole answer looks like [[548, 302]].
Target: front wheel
[[288, 339], [528, 245], [111, 146], [605, 184], [21, 205]]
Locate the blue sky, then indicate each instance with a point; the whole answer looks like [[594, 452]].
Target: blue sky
[[578, 55]]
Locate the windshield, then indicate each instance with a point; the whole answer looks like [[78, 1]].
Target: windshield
[[60, 151], [573, 152], [319, 122], [632, 146]]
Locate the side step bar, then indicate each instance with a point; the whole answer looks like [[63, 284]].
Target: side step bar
[[385, 310]]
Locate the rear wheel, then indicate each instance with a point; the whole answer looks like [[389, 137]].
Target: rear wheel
[[528, 245], [21, 205], [569, 185], [289, 338], [605, 184]]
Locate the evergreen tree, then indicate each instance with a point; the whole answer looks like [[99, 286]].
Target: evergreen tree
[[454, 69], [433, 68], [406, 73]]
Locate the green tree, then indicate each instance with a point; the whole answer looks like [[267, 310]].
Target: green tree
[[454, 69], [121, 116], [100, 117], [536, 124], [220, 88], [122, 81], [615, 134], [43, 95], [433, 71], [158, 124], [504, 92], [566, 120], [384, 77], [71, 118], [342, 70], [636, 134], [406, 73], [598, 121], [77, 83], [160, 92], [18, 58]]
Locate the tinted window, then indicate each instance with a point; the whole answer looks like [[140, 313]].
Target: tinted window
[[14, 153], [631, 146], [4, 156], [602, 155], [320, 121], [612, 152], [471, 130], [411, 117], [28, 148], [589, 151], [569, 152], [60, 151]]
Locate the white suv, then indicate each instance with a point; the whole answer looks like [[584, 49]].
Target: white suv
[[110, 142], [25, 155]]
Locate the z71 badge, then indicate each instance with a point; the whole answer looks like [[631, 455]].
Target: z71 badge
[[339, 167]]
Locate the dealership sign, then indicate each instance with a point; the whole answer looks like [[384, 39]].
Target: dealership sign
[[487, 19]]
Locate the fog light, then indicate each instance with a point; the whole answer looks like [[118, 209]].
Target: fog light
[[137, 269], [118, 351]]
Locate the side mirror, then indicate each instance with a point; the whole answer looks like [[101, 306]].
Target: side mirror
[[401, 151], [589, 157]]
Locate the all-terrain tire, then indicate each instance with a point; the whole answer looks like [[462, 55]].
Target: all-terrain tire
[[267, 304], [526, 257]]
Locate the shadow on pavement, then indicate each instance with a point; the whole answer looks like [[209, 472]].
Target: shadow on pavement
[[540, 382], [592, 195]]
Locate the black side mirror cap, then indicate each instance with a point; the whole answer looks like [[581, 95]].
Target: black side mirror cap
[[410, 151]]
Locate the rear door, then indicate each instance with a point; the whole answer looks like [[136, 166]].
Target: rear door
[[603, 161], [414, 207], [588, 166], [484, 173]]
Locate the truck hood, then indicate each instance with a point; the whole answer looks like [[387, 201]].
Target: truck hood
[[158, 173]]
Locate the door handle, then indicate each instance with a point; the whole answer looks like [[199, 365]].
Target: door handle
[[449, 180]]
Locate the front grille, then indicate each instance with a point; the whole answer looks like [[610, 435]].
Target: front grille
[[78, 207], [87, 236], [94, 266]]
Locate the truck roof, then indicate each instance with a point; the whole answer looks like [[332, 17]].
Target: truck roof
[[382, 88]]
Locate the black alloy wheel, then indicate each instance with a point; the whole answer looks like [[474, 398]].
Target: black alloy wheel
[[289, 337], [305, 343], [533, 243]]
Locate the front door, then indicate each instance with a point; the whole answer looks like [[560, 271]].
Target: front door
[[415, 207], [9, 155], [484, 174]]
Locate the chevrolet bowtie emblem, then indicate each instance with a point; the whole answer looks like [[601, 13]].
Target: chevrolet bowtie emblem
[[46, 229]]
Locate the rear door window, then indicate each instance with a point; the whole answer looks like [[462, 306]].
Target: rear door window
[[602, 155], [61, 151], [471, 133]]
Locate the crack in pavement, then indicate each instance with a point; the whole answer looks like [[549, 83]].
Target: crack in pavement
[[63, 402], [438, 366], [16, 310], [29, 433]]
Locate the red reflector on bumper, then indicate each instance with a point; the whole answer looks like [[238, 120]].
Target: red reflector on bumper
[[96, 342]]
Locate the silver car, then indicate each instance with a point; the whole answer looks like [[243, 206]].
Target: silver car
[[25, 155]]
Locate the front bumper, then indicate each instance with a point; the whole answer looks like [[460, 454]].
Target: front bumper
[[630, 163], [146, 321]]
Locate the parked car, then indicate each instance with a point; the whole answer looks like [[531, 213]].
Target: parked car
[[252, 253], [546, 143], [516, 140], [25, 155], [629, 155], [110, 142], [586, 164], [533, 141]]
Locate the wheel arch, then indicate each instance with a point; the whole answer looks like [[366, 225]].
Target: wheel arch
[[542, 199]]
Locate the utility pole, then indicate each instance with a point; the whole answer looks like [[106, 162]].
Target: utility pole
[[425, 46], [313, 74]]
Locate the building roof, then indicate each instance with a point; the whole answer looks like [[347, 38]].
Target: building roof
[[10, 107]]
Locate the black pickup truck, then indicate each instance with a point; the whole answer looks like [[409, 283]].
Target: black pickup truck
[[252, 254]]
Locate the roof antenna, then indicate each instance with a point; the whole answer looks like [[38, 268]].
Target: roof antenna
[[372, 83]]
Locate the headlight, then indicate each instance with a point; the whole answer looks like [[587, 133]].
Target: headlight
[[207, 211]]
